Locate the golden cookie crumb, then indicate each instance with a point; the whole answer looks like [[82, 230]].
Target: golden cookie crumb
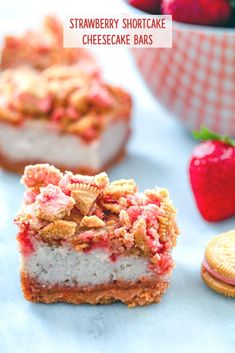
[[84, 195], [92, 222], [121, 188], [139, 231], [101, 180], [166, 221], [112, 207], [57, 230]]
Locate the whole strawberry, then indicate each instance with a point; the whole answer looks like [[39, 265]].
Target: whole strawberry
[[198, 12], [151, 6], [212, 175]]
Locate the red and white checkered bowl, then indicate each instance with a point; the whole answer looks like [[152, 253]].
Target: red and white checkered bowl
[[196, 78]]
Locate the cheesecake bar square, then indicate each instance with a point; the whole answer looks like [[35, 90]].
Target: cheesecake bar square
[[84, 239], [62, 115]]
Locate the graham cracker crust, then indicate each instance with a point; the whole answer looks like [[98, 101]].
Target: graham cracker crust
[[18, 167], [132, 294]]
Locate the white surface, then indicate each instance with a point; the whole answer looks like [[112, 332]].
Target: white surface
[[191, 318], [55, 265], [34, 141]]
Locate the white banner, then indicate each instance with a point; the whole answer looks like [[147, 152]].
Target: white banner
[[124, 30]]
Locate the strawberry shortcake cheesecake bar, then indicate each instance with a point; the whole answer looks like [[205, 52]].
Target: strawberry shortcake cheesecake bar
[[61, 115], [84, 239]]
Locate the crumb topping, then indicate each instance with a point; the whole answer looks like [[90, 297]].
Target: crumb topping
[[84, 196], [52, 204], [70, 99], [41, 48], [89, 211], [41, 175], [58, 230], [92, 222]]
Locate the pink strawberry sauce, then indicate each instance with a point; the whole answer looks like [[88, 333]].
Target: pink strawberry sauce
[[113, 257], [26, 246]]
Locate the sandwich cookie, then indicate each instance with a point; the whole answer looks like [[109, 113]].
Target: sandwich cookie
[[218, 267]]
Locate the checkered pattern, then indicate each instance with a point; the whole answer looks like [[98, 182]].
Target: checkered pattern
[[196, 78]]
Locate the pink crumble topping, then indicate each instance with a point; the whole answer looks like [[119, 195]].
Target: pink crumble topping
[[151, 213], [100, 96], [65, 181], [77, 102], [41, 175], [98, 214], [32, 103], [164, 264], [82, 179], [61, 112], [133, 212], [52, 203], [30, 196], [70, 178]]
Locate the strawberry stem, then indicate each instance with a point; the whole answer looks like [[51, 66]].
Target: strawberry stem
[[206, 134]]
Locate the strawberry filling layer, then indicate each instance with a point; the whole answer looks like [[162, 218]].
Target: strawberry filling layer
[[218, 275]]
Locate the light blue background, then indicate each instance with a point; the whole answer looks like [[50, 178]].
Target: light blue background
[[191, 317]]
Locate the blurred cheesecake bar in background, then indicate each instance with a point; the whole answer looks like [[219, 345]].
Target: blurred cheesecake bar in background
[[42, 48], [61, 115], [84, 239]]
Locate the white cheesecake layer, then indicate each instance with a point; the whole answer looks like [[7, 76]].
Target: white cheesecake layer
[[63, 265], [36, 141]]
